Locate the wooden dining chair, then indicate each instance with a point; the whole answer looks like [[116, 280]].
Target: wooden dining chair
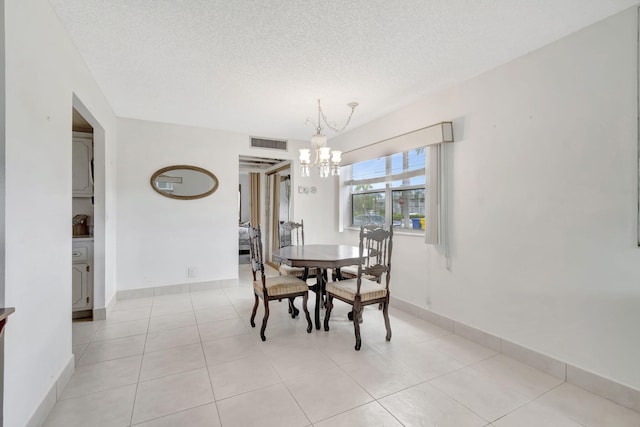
[[361, 291], [351, 271], [291, 233], [272, 288]]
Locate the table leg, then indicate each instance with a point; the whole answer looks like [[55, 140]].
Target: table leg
[[319, 292]]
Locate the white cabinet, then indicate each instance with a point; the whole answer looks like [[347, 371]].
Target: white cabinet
[[82, 169], [82, 275]]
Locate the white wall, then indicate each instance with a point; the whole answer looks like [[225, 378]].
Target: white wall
[[2, 191], [319, 209], [543, 202], [160, 238], [43, 71]]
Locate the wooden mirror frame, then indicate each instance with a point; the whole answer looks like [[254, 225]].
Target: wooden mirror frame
[[188, 167]]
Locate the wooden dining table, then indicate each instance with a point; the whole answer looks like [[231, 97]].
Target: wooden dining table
[[320, 257]]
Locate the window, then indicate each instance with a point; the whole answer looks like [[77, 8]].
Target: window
[[398, 189]]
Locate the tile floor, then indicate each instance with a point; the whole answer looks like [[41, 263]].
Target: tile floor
[[193, 360]]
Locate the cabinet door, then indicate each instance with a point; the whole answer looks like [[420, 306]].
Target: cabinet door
[[80, 286], [82, 175]]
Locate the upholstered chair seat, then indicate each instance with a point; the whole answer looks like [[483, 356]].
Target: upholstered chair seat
[[295, 271], [280, 285], [347, 289]]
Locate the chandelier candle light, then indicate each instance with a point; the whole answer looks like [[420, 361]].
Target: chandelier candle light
[[326, 159]]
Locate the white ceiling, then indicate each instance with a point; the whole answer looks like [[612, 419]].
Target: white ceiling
[[258, 66]]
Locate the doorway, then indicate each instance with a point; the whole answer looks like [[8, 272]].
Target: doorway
[[82, 298], [256, 203], [97, 228]]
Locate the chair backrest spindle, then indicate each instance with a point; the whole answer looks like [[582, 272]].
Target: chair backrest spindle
[[291, 233], [378, 245], [255, 251]]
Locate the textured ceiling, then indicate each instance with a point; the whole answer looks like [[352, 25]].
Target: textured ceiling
[[257, 67]]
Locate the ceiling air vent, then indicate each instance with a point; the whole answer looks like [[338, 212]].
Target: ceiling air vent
[[269, 143]]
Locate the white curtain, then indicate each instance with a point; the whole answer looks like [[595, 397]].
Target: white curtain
[[254, 191], [444, 178]]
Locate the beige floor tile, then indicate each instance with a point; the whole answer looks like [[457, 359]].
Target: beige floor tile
[[208, 299], [424, 360], [228, 349], [171, 394], [381, 376], [369, 415], [461, 349], [410, 330], [298, 361], [327, 393], [535, 415], [202, 416], [107, 408], [137, 313], [516, 375], [82, 332], [224, 312], [205, 366], [278, 315], [279, 328], [221, 329], [101, 351], [250, 409], [172, 361], [167, 309], [172, 321], [339, 345], [423, 405], [242, 375], [485, 397], [243, 307], [587, 408], [172, 299], [287, 332], [121, 329], [103, 376], [170, 338]]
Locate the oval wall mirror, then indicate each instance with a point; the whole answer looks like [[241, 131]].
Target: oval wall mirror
[[184, 182]]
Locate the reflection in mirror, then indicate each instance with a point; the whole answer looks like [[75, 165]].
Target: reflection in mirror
[[184, 182]]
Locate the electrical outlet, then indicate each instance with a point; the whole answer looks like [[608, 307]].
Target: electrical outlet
[[191, 272]]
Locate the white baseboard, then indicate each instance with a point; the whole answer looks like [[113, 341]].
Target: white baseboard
[[42, 411], [103, 312], [609, 389], [625, 396], [176, 289]]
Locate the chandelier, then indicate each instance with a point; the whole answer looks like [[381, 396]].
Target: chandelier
[[328, 160]]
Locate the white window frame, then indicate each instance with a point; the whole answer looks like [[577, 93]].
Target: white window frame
[[435, 135], [431, 188]]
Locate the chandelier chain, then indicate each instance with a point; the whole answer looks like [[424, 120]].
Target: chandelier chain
[[353, 106]]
